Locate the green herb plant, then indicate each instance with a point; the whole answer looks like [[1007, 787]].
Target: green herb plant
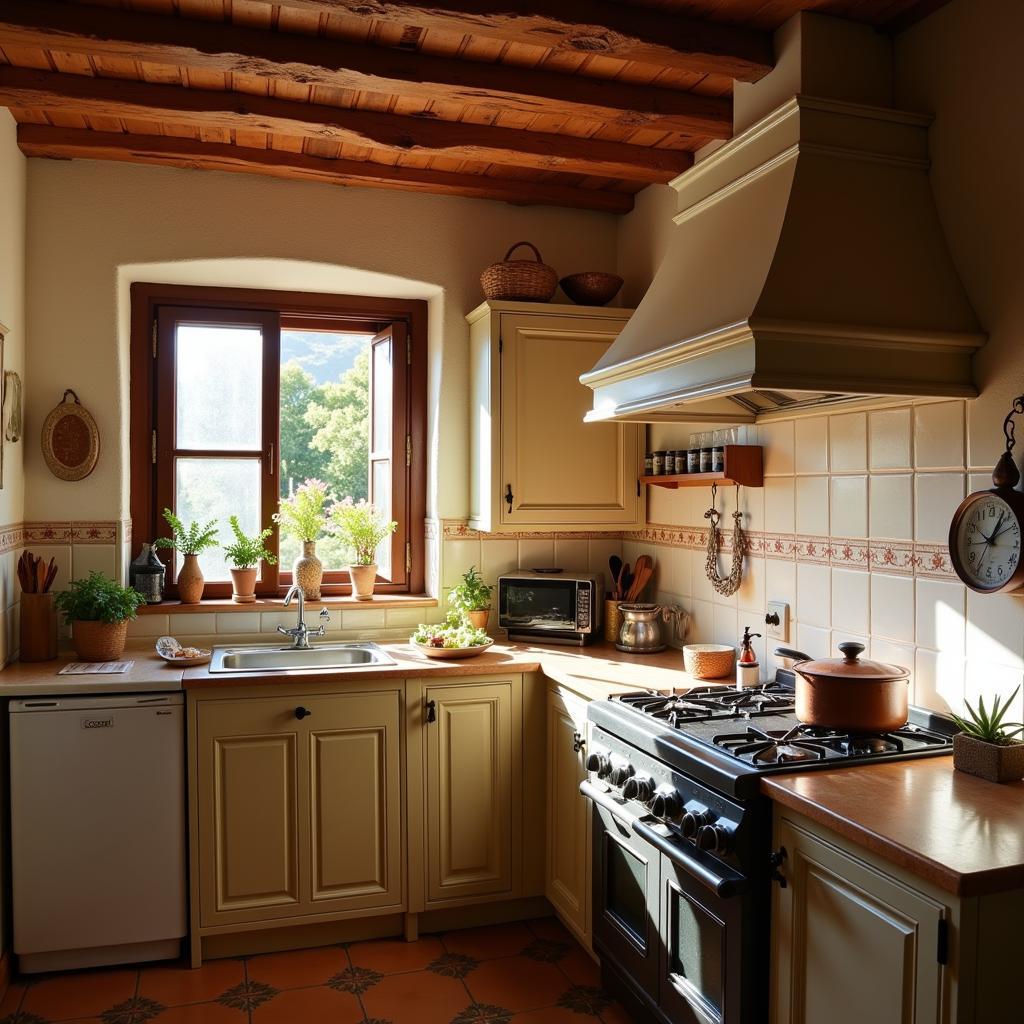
[[97, 599], [187, 540], [302, 516], [472, 594], [247, 552], [362, 527], [988, 725]]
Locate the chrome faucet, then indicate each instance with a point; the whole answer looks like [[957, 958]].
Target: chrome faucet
[[300, 633]]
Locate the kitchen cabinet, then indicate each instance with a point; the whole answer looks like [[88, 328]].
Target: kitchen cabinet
[[298, 807], [568, 855], [534, 463], [465, 800]]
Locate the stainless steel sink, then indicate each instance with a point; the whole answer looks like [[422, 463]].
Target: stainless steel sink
[[275, 658]]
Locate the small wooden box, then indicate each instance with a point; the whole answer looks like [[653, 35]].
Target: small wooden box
[[38, 627]]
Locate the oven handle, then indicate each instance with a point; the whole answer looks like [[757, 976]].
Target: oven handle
[[723, 883]]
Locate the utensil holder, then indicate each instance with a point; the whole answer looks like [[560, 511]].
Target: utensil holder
[[612, 620], [38, 627]]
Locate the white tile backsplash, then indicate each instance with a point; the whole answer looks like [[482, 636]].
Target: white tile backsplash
[[812, 505], [892, 607], [939, 435], [848, 443], [779, 504], [536, 554], [995, 629], [940, 610], [935, 500], [778, 440], [811, 445], [851, 600], [571, 554], [848, 506], [889, 439], [814, 593], [890, 507]]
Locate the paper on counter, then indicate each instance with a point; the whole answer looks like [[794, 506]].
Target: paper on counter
[[95, 668]]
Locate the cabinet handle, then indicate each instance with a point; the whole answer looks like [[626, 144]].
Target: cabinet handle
[[301, 713], [508, 496], [578, 743], [431, 711], [775, 861]]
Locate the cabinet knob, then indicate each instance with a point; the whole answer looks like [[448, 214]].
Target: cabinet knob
[[508, 496], [431, 711], [301, 713], [578, 743]]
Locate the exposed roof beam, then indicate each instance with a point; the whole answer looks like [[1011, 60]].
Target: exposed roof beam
[[207, 108], [603, 27], [70, 143], [312, 60]]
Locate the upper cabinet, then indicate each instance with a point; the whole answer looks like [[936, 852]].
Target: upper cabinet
[[534, 463]]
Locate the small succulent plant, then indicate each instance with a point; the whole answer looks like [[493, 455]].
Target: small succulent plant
[[988, 725]]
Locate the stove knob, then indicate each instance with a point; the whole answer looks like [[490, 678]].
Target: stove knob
[[692, 823], [665, 804], [599, 763], [714, 837], [621, 774], [638, 788]]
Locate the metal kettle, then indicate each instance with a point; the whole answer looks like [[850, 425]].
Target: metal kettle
[[642, 631]]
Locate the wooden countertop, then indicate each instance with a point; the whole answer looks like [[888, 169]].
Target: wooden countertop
[[961, 833], [41, 679]]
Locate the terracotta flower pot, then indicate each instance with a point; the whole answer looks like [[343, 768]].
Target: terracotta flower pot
[[478, 617], [308, 571], [190, 580], [996, 762], [99, 641], [363, 579], [243, 585]]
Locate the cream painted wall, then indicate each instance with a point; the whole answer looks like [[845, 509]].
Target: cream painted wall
[[93, 227]]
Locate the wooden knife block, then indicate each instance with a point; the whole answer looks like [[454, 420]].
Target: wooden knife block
[[38, 627]]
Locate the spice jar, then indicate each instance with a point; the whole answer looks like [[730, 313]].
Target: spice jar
[[680, 461], [648, 464], [658, 464], [705, 452]]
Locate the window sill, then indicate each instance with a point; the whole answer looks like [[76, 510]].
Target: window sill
[[273, 604]]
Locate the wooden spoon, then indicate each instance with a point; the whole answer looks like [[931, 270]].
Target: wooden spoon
[[625, 581], [642, 572], [615, 565]]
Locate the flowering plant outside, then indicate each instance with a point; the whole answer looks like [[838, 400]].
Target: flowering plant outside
[[360, 526], [303, 514]]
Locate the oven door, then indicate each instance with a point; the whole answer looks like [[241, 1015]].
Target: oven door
[[537, 604]]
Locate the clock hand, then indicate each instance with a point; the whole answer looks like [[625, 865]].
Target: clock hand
[[999, 522]]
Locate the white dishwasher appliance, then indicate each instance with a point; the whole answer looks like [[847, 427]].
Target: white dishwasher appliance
[[97, 829]]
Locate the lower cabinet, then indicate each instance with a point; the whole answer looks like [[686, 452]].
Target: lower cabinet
[[298, 802], [568, 855]]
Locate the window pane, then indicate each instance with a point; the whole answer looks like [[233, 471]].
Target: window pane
[[382, 397], [206, 489], [219, 375], [325, 430], [382, 500]]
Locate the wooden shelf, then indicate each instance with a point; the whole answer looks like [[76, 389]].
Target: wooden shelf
[[743, 465]]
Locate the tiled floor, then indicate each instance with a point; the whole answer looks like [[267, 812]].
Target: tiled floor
[[530, 973]]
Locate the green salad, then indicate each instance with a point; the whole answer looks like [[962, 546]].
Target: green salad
[[452, 633]]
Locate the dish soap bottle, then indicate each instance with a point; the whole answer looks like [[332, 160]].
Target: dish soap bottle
[[748, 672]]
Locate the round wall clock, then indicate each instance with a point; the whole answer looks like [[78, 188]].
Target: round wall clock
[[987, 531], [71, 439]]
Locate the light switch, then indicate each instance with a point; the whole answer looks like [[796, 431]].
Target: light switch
[[777, 621]]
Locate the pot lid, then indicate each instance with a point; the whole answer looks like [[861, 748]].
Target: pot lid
[[851, 666]]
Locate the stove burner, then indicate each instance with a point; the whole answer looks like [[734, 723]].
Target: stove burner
[[710, 702]]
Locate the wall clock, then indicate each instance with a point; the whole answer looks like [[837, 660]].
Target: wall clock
[[987, 531]]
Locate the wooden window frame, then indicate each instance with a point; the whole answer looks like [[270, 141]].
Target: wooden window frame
[[344, 312]]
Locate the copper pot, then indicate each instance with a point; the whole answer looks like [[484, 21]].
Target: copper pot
[[847, 694]]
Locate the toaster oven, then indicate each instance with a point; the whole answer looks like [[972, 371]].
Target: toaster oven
[[551, 606]]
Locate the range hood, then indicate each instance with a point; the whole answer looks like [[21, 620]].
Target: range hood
[[807, 267]]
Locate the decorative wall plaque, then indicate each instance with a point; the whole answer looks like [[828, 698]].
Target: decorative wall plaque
[[71, 440]]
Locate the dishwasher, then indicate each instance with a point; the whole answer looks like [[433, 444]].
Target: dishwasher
[[97, 829]]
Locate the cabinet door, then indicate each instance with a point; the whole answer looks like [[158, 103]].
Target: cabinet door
[[355, 802], [568, 812], [248, 796], [471, 739], [559, 469], [849, 943]]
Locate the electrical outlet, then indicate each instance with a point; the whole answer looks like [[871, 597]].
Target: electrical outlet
[[777, 621]]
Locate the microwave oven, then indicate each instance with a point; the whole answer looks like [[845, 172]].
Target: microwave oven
[[551, 606]]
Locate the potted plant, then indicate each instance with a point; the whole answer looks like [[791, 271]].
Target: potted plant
[[189, 542], [986, 746], [361, 527], [303, 517], [472, 598], [245, 554], [98, 610]]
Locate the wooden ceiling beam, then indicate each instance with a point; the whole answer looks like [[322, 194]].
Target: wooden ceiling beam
[[313, 60], [77, 143], [28, 88], [657, 37]]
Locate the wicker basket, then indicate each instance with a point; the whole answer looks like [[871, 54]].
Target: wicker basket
[[520, 280], [708, 661], [99, 641], [992, 761], [592, 288]]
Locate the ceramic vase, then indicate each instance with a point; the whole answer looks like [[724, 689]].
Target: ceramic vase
[[243, 585], [99, 641], [363, 579], [478, 617], [308, 571], [190, 580]]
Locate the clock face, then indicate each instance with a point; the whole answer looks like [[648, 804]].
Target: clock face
[[986, 546]]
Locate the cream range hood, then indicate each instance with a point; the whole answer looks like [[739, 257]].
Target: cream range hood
[[807, 268]]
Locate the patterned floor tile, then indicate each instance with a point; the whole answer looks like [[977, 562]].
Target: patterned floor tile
[[615, 1014], [491, 941], [202, 1013], [551, 928], [79, 994], [585, 999], [175, 984], [518, 983], [418, 998], [395, 956], [483, 1013], [21, 1017], [453, 965], [298, 969], [137, 1010], [548, 951], [310, 1006], [580, 967], [355, 980], [553, 1015], [247, 995]]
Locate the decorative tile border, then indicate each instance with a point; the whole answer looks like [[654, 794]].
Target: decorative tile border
[[459, 529], [12, 538], [91, 532]]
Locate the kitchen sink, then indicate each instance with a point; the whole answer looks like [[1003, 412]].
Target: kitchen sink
[[283, 659]]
